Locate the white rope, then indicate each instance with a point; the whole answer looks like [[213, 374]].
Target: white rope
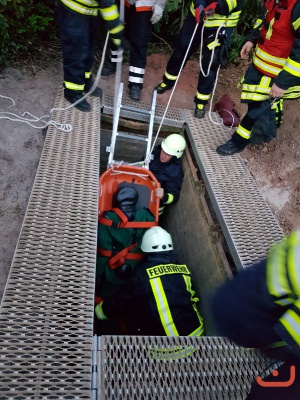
[[167, 106], [41, 122]]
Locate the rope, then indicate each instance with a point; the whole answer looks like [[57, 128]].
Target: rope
[[41, 122]]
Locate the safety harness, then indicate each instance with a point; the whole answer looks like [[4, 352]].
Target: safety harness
[[117, 260]]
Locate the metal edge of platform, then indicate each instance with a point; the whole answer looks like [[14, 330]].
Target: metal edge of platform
[[248, 224], [46, 315]]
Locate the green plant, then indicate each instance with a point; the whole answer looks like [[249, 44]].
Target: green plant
[[24, 25]]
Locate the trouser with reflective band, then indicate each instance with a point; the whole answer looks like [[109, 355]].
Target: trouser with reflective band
[[138, 29], [78, 34], [205, 83]]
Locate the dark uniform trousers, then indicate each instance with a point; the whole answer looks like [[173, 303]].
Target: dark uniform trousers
[[205, 83], [78, 35], [138, 29]]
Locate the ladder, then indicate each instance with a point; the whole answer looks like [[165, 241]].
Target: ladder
[[130, 136]]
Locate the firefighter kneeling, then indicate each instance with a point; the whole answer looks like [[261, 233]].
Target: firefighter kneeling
[[158, 299]]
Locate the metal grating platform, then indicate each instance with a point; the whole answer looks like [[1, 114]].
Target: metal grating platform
[[248, 224], [175, 368], [46, 318], [174, 116]]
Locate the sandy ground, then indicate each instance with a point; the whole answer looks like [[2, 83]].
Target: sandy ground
[[275, 166]]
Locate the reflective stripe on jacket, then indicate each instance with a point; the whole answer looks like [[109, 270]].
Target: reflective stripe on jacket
[[276, 40], [283, 283], [229, 16]]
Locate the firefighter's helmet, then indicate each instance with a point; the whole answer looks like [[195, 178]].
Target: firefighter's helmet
[[173, 145], [156, 239]]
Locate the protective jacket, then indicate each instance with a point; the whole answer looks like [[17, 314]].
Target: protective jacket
[[119, 242], [158, 300], [170, 176]]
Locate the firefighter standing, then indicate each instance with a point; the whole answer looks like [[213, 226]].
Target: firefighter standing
[[221, 18], [159, 299], [274, 73], [166, 167], [79, 25], [139, 17], [260, 308]]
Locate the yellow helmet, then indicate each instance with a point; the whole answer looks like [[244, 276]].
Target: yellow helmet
[[174, 145]]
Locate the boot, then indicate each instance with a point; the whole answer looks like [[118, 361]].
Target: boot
[[230, 147], [135, 92], [199, 111], [109, 68], [74, 95], [88, 86], [162, 88]]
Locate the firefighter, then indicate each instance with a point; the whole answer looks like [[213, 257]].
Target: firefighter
[[219, 19], [159, 298], [120, 233], [140, 15], [166, 166], [273, 75], [260, 308], [79, 22]]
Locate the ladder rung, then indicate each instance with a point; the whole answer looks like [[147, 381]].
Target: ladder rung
[[133, 137]]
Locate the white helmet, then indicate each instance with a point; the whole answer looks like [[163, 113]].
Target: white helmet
[[173, 145], [156, 239]]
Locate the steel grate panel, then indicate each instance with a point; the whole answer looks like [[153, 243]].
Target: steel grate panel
[[46, 316], [248, 224], [174, 116], [176, 368]]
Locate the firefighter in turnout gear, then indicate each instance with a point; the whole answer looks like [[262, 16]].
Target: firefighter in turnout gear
[[140, 15], [158, 299], [79, 25], [120, 233], [166, 167], [260, 308], [217, 19], [273, 75]]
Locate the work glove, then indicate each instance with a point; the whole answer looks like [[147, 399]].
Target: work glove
[[119, 40], [157, 13], [199, 13], [211, 9]]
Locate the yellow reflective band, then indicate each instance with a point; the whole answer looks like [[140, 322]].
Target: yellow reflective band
[[296, 24], [110, 13], [99, 312], [73, 86], [268, 57], [201, 96], [163, 307], [217, 20], [188, 283], [254, 96], [256, 88], [170, 77], [291, 321], [167, 269], [200, 106], [214, 44], [265, 82], [117, 29], [292, 93], [277, 281], [266, 67], [170, 199], [293, 261], [257, 23], [243, 132], [87, 75], [231, 4], [270, 29], [292, 67], [90, 9]]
